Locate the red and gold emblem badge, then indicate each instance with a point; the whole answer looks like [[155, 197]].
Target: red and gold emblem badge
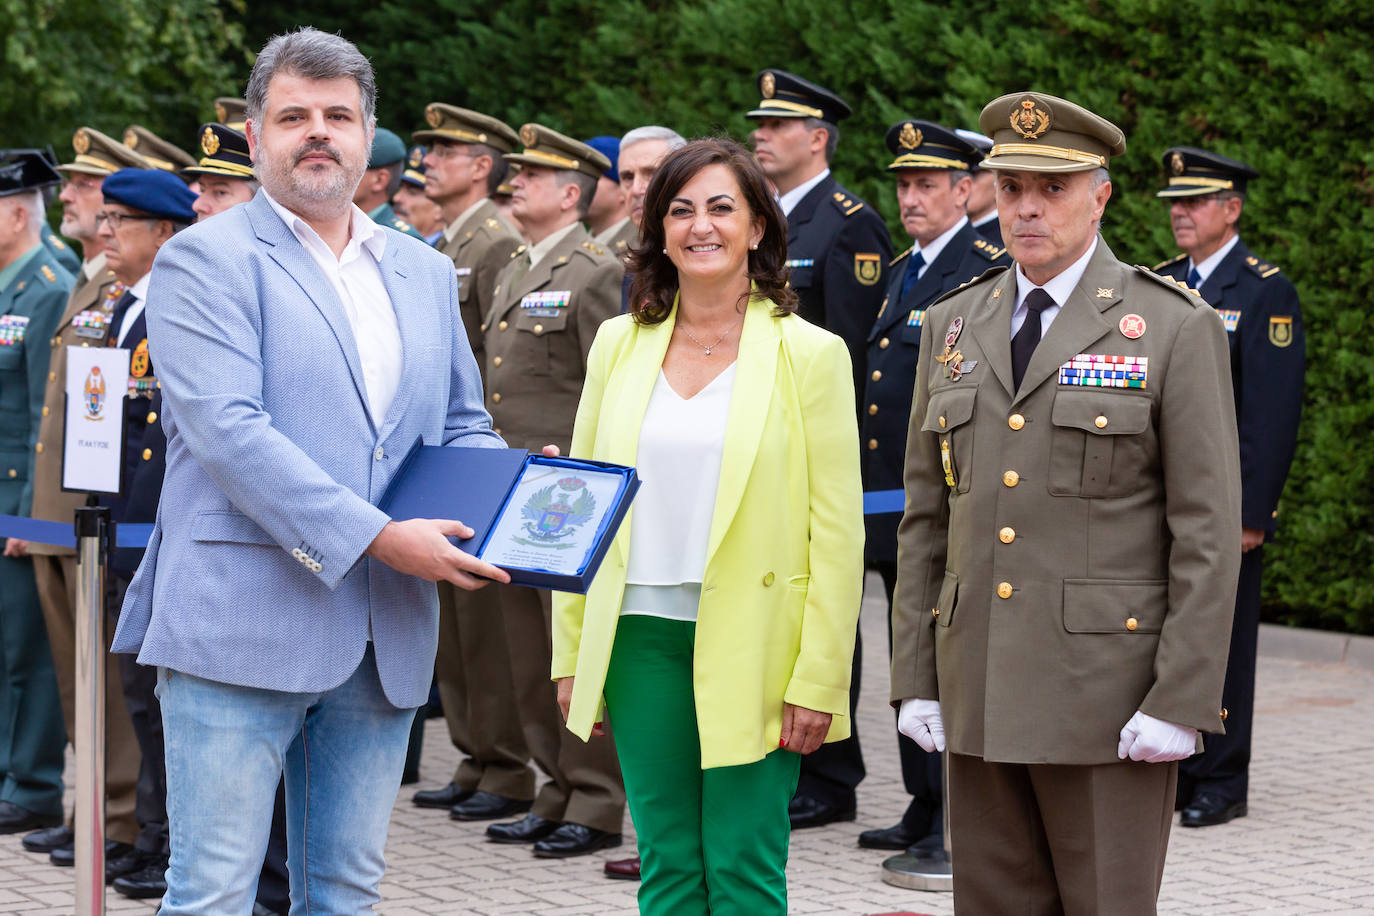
[[1132, 326], [1029, 120]]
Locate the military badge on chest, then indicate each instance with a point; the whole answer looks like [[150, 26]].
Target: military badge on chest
[[955, 366]]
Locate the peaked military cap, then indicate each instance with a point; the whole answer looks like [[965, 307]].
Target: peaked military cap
[[25, 170], [552, 150], [99, 154], [459, 125], [232, 112], [786, 95], [610, 148], [159, 153], [981, 142], [155, 192], [225, 152], [387, 149], [926, 145], [1193, 172], [1035, 132], [415, 166]]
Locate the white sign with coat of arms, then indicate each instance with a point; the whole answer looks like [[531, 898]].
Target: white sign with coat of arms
[[551, 519], [93, 442]]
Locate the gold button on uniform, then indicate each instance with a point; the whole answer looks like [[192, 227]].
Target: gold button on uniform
[[1016, 421], [147, 454], [935, 612], [877, 374], [45, 411], [767, 579], [1224, 713], [1006, 535], [1011, 478], [13, 472], [872, 409], [496, 361], [502, 326], [496, 397], [52, 376], [882, 344], [1100, 422], [872, 444], [539, 329], [152, 416], [38, 448], [1004, 590], [1132, 623], [942, 422]]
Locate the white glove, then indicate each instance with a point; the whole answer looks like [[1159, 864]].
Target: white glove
[[1153, 740], [920, 721]]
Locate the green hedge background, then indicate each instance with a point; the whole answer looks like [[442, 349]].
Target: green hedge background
[[1285, 86]]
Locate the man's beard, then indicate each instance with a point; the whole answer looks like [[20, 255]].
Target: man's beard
[[327, 188]]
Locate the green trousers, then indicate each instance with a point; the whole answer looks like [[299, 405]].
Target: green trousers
[[711, 841]]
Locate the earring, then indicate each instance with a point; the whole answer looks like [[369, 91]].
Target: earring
[[754, 247], [665, 251]]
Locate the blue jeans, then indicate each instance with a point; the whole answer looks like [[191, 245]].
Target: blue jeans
[[342, 752]]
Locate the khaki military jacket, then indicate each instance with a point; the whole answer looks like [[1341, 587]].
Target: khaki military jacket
[[83, 325], [480, 247], [1069, 552], [623, 240], [538, 332]]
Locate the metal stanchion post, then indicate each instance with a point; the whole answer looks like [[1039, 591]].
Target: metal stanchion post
[[92, 550], [933, 871]]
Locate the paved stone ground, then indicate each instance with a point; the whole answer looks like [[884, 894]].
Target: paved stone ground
[[1307, 846]]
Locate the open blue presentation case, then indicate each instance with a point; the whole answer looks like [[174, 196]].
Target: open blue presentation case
[[475, 486]]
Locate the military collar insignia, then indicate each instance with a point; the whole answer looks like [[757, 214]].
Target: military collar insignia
[[1028, 120], [1105, 292]]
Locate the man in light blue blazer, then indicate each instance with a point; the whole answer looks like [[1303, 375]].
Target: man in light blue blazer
[[302, 350]]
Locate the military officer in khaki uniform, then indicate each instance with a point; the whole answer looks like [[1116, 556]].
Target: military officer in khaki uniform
[[548, 303], [157, 152], [462, 168], [1067, 560], [83, 323]]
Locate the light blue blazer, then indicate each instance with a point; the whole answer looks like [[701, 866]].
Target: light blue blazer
[[255, 573]]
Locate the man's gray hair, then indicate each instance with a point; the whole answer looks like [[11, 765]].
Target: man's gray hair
[[312, 54], [32, 202], [1100, 177], [674, 139]]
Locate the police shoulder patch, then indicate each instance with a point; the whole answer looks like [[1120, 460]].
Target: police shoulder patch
[[48, 274], [845, 202], [987, 249], [1259, 268], [1174, 260]]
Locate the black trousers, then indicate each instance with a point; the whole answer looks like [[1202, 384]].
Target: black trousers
[[922, 772], [1224, 765]]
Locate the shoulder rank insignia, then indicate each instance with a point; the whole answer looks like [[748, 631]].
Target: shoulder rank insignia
[[846, 204], [1174, 260], [57, 243], [48, 274], [987, 249], [1265, 271], [868, 268], [492, 224], [1280, 329], [899, 257]]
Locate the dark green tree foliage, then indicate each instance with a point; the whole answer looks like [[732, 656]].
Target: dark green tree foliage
[[111, 63], [1285, 86]]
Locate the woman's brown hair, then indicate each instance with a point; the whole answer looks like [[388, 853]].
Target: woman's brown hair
[[655, 281]]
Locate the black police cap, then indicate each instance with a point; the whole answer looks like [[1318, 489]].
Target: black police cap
[[25, 170], [786, 95], [921, 144], [1193, 172]]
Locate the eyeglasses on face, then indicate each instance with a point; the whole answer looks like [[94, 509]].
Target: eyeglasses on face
[[117, 219]]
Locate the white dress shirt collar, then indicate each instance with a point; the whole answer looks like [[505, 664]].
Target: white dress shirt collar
[[362, 233], [988, 218], [793, 197], [1209, 263], [1060, 287], [140, 293], [932, 251]]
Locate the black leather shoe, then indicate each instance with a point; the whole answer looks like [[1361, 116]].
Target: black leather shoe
[[805, 811], [574, 840], [1207, 809], [530, 829], [148, 882], [485, 806], [894, 837], [65, 856], [132, 861], [16, 819], [622, 869], [442, 797], [48, 840]]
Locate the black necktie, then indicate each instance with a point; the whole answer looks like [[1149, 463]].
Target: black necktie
[[913, 268], [121, 309], [1023, 344]]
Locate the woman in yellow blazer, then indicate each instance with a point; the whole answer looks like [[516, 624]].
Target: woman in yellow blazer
[[720, 628]]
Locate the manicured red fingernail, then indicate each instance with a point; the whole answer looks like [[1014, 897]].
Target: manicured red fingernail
[[596, 725], [782, 742]]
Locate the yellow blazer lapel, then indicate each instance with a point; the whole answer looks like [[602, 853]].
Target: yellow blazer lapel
[[754, 384]]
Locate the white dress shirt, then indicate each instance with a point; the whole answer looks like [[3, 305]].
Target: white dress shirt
[[793, 197], [1059, 288], [1209, 263], [140, 293], [932, 251], [357, 279]]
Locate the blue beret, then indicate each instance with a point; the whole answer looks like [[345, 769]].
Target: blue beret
[[610, 148], [153, 191]]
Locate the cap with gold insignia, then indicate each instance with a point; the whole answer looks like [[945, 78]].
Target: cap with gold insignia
[[1194, 172], [25, 170], [415, 167], [786, 95], [100, 154], [1034, 132], [548, 148], [387, 149], [225, 153], [460, 125], [232, 112], [159, 153], [926, 145]]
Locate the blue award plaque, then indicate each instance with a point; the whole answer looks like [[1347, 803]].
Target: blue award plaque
[[546, 521]]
